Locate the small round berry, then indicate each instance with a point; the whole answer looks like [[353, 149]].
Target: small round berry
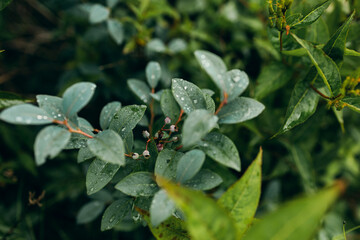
[[135, 156], [172, 128], [146, 154], [146, 134], [167, 120], [160, 147]]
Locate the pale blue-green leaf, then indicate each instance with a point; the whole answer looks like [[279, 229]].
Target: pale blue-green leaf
[[169, 106], [25, 114], [84, 154], [115, 213], [177, 45], [140, 89], [129, 142], [188, 95], [155, 45], [89, 212], [189, 165], [221, 149], [153, 73], [210, 104], [199, 123], [76, 97], [116, 31], [98, 13], [99, 174], [271, 78], [161, 208], [111, 3], [85, 126], [139, 184], [214, 67], [166, 163], [107, 114], [76, 141], [312, 16], [103, 196], [204, 180], [208, 92], [52, 105], [157, 95], [108, 146], [239, 110], [326, 67], [126, 119], [49, 142], [236, 83]]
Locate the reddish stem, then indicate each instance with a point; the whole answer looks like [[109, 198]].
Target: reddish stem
[[79, 131], [222, 104]]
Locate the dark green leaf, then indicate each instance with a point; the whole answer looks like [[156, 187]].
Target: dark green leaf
[[196, 126], [89, 212], [115, 213], [153, 73], [169, 105], [189, 165], [161, 208], [139, 184], [242, 199], [84, 154], [108, 146], [108, 112], [140, 89], [4, 3], [116, 30], [25, 114], [166, 163], [204, 180], [76, 97], [49, 142], [8, 99], [221, 149], [99, 174], [98, 13], [352, 102], [239, 110], [188, 95]]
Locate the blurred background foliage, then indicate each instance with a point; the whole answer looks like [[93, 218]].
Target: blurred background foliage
[[52, 44]]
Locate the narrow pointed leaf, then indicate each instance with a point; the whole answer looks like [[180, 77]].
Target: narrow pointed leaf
[[99, 174], [108, 146], [8, 99], [197, 125], [139, 184], [189, 165], [205, 219], [188, 95], [49, 142], [352, 102], [115, 213], [25, 114], [221, 149], [297, 219], [153, 73], [161, 208], [239, 110], [312, 16], [76, 97], [326, 67], [107, 114], [242, 199]]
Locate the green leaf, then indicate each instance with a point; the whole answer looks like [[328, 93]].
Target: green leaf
[[25, 114], [173, 228], [196, 126], [89, 212], [237, 82], [210, 104], [4, 3], [189, 165], [205, 219], [153, 73], [350, 52], [188, 95], [111, 3], [303, 102], [8, 99], [139, 184], [84, 154], [49, 142], [116, 30], [52, 105], [204, 180], [99, 174], [239, 110], [312, 16], [177, 45], [126, 119], [76, 97], [156, 45], [297, 219], [326, 67], [352, 102], [140, 89], [107, 114], [98, 13], [166, 163], [108, 146], [169, 106], [161, 208], [271, 78], [242, 199], [115, 213], [221, 149]]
